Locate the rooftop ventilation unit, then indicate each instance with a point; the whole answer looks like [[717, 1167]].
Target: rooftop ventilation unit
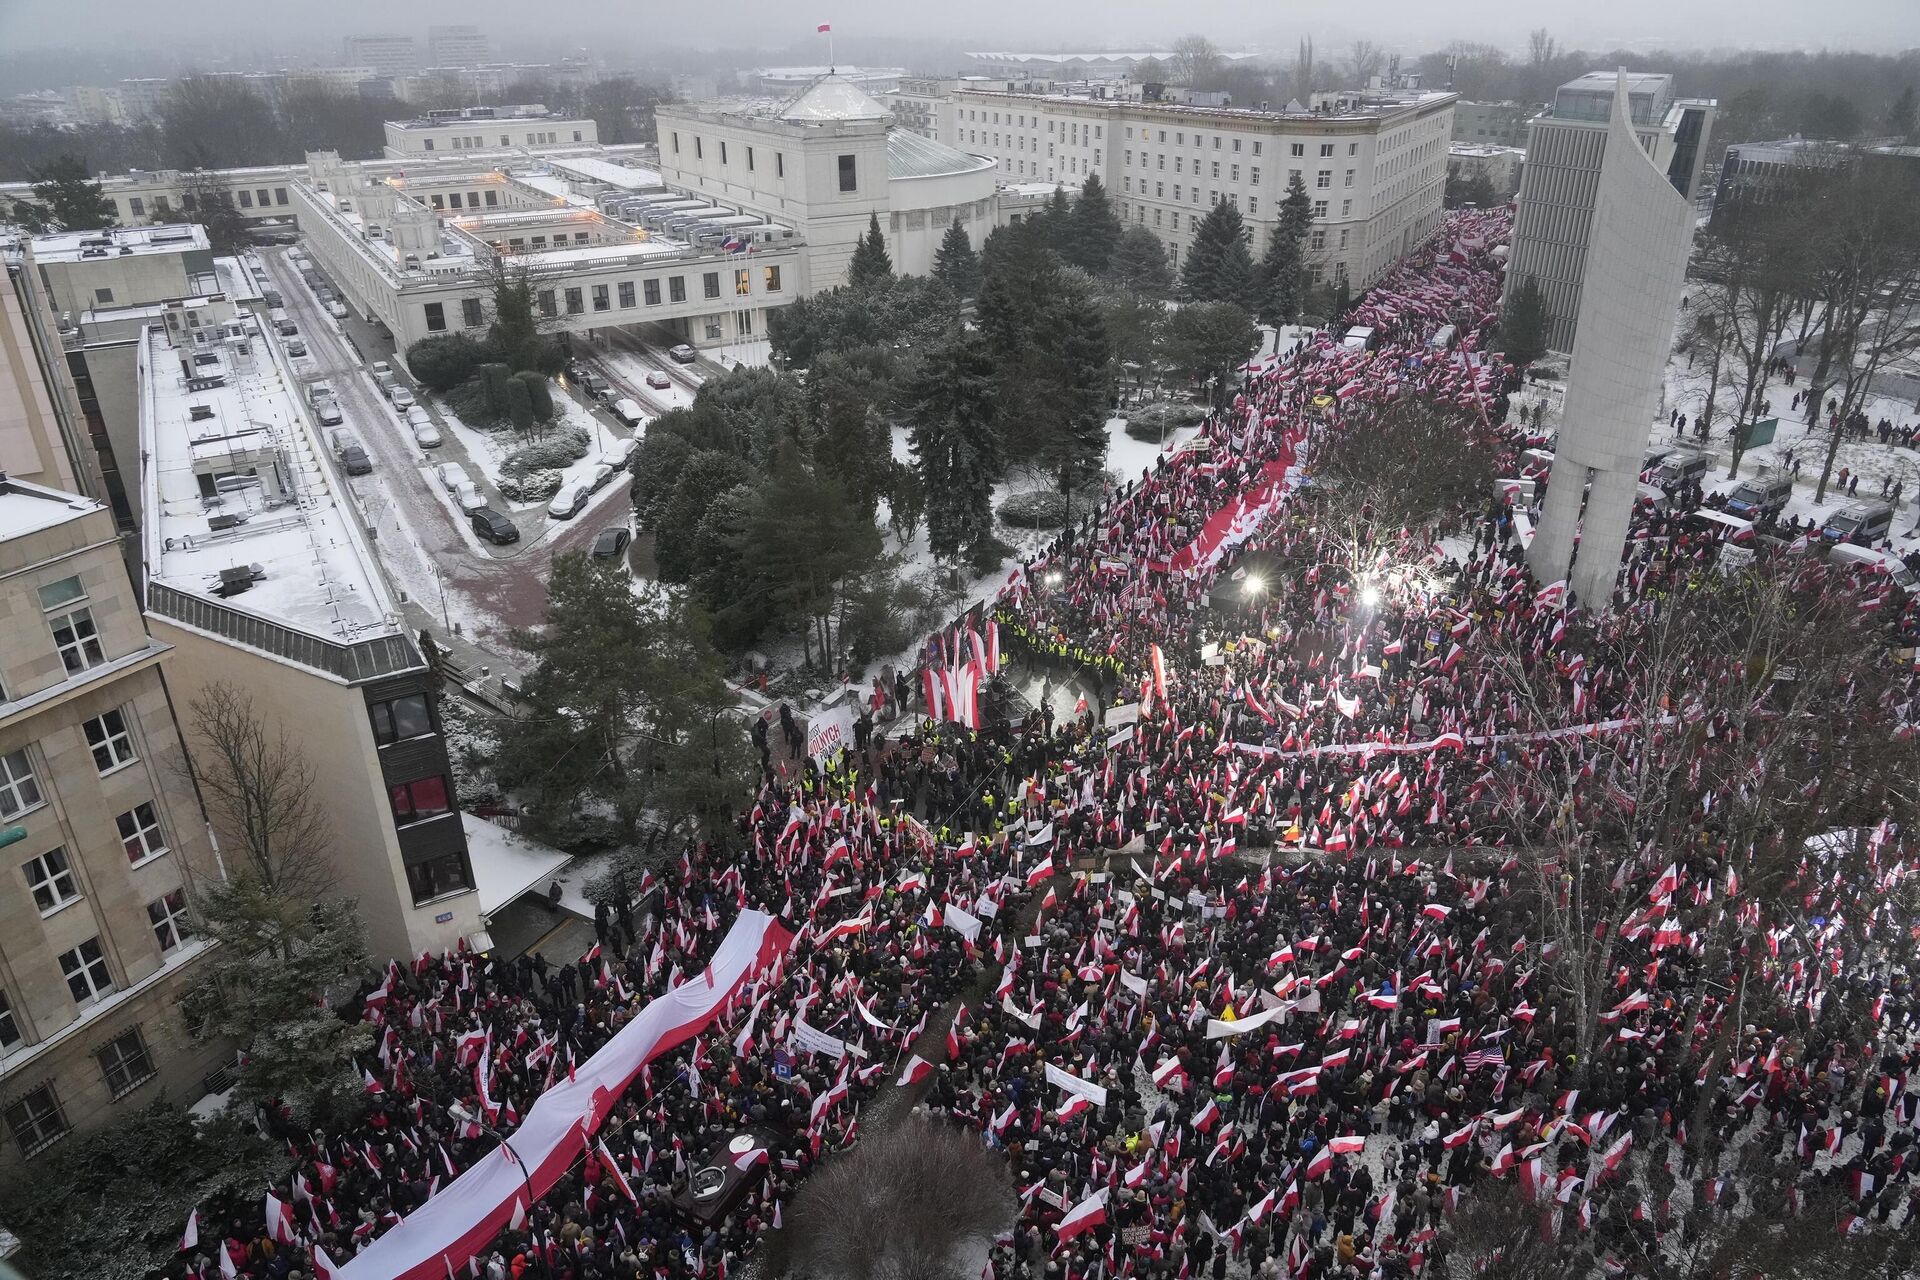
[[199, 413], [224, 521]]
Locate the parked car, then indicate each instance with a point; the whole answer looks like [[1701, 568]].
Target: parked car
[[338, 310], [340, 439], [401, 397], [682, 354], [356, 461], [659, 381], [296, 348], [612, 543], [328, 411], [381, 370], [602, 472], [620, 453], [493, 526], [566, 504], [425, 434], [595, 385], [628, 412], [286, 328], [451, 476], [468, 497], [1862, 524]]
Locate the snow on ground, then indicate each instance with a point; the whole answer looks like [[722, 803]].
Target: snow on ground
[[209, 1106], [755, 354], [507, 865], [635, 370], [488, 449]]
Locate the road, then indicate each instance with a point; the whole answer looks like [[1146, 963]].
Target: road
[[423, 541]]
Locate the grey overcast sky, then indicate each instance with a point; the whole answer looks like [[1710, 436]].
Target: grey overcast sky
[[1409, 26]]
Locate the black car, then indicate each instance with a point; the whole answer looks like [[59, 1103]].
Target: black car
[[493, 526], [612, 543], [354, 458]]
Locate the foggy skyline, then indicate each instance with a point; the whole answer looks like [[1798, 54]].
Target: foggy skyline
[[169, 31]]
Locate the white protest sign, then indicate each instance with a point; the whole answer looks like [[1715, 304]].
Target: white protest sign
[[830, 730], [961, 921], [1096, 1094]]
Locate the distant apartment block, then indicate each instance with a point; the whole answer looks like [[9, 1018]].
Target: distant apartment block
[[458, 45], [385, 55]]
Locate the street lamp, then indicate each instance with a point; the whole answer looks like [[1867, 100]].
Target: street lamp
[[459, 1112]]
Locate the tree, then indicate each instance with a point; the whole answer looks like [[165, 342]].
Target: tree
[[850, 436], [514, 335], [1400, 469], [626, 708], [622, 108], [539, 395], [1195, 62], [442, 361], [1903, 116], [217, 122], [949, 407], [870, 266], [286, 951], [678, 512], [1095, 228], [1364, 61], [955, 264], [1208, 340], [519, 405], [1139, 264], [1219, 267], [1136, 327], [1300, 80], [1523, 326], [1282, 269], [1474, 188], [65, 199], [911, 1201], [1055, 224], [209, 203]]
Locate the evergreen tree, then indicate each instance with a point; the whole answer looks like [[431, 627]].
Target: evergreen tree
[[1903, 116], [870, 266], [1139, 264], [950, 408], [850, 437], [1523, 326], [1208, 340], [65, 199], [1056, 224], [514, 337], [210, 204], [1280, 275], [1219, 267], [955, 264], [1096, 229]]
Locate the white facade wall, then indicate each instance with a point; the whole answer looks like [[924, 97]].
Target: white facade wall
[[408, 138], [923, 209]]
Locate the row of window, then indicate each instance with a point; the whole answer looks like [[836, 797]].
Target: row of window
[[245, 197], [602, 297], [36, 1118], [477, 142], [779, 159], [108, 737], [489, 199]]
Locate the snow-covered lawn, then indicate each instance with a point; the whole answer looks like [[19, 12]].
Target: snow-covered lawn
[[489, 449]]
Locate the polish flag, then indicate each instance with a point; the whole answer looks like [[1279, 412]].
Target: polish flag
[[1085, 1216], [823, 28], [1076, 1105], [612, 1167], [1459, 1136], [1137, 1176], [191, 1236], [1347, 1144], [1668, 883], [1435, 911], [1321, 1162], [1207, 1116], [1167, 1072], [918, 1069], [279, 1221]]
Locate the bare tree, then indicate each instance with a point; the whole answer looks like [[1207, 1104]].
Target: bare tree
[[1364, 60], [1541, 48], [260, 796], [909, 1202], [1300, 81], [1196, 61]]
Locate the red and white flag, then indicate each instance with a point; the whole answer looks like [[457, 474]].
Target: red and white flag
[[612, 1167], [1085, 1216], [823, 28], [918, 1069]]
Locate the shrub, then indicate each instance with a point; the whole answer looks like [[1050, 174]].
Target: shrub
[[445, 360], [552, 454], [494, 378], [536, 486], [519, 405], [1150, 422], [537, 394], [1046, 508]]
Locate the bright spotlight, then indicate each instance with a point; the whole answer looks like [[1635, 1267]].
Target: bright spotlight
[[1053, 578], [1369, 595], [1255, 584]]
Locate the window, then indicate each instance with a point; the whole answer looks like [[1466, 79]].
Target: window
[[676, 288], [651, 290], [415, 801], [429, 144], [103, 295], [1326, 148], [169, 917], [1349, 179], [772, 280], [493, 197], [549, 305], [1216, 170], [471, 313], [576, 135], [140, 833], [86, 971], [246, 198], [1323, 179], [749, 159], [453, 200], [699, 153], [9, 1029], [436, 317], [848, 177], [438, 876], [602, 298], [136, 206], [19, 791], [74, 634], [626, 293], [160, 206], [710, 284], [1297, 149], [1177, 165], [576, 302], [1319, 208], [1256, 148], [676, 143], [112, 744], [1318, 239], [779, 164], [1343, 237], [36, 1120], [1253, 205], [1235, 172], [280, 195], [742, 283], [50, 877], [1353, 148], [1346, 208], [1254, 176], [401, 718], [124, 1062]]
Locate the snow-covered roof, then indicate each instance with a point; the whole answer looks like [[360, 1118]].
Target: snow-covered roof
[[911, 156], [314, 572], [834, 97], [72, 246], [506, 865], [607, 172], [28, 508]]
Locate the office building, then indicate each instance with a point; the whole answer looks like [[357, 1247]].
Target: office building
[[487, 129], [457, 46], [42, 436], [1555, 212], [387, 56], [102, 839], [1633, 263], [1375, 169], [1500, 166], [1493, 124], [258, 575]]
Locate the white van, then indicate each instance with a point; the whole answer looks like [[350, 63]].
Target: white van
[[1358, 338], [1847, 554], [1443, 337]]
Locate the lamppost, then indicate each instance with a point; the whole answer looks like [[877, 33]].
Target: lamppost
[[459, 1112]]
